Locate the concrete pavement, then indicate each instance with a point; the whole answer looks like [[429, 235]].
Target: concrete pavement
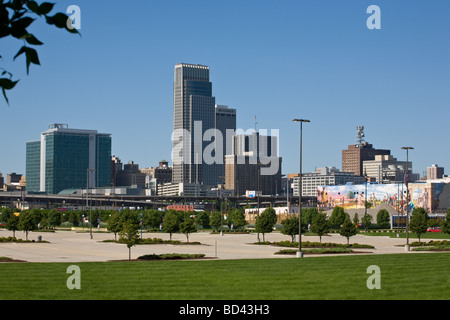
[[72, 246]]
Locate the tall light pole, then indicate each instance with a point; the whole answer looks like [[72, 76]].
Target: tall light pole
[[407, 196], [300, 253], [87, 199]]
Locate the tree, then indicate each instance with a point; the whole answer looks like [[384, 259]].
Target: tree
[[418, 222], [12, 224], [237, 218], [202, 219], [187, 227], [15, 19], [383, 218], [115, 224], [445, 224], [152, 219], [215, 220], [26, 222], [290, 227], [366, 221], [129, 235], [54, 218], [320, 225], [356, 218], [337, 217], [171, 222], [265, 221], [348, 229]]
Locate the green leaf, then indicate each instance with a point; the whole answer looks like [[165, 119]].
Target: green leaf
[[7, 84], [31, 39], [22, 23], [59, 20], [33, 6], [31, 56], [45, 8], [22, 50]]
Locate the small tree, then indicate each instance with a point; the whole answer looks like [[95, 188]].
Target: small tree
[[115, 224], [320, 225], [215, 220], [129, 235], [202, 219], [418, 222], [237, 217], [187, 227], [356, 218], [171, 223], [445, 224], [26, 222], [290, 227], [337, 217], [348, 229], [383, 218], [366, 221], [12, 224], [265, 221]]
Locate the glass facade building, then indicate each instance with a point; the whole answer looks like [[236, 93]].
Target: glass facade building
[[194, 112], [67, 158]]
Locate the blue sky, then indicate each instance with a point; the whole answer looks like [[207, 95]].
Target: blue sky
[[276, 60]]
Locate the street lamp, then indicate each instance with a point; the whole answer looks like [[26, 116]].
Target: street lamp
[[407, 197], [300, 253], [87, 200]]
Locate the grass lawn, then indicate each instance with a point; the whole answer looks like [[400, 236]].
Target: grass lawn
[[403, 276]]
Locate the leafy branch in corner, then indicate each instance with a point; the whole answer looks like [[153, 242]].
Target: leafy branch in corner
[[14, 20]]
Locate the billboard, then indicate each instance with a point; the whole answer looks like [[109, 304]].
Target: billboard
[[425, 195]]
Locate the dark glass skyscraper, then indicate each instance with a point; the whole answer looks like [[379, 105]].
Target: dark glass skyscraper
[[194, 112], [62, 157]]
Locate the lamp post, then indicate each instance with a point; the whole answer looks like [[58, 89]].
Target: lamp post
[[87, 200], [407, 197], [300, 253]]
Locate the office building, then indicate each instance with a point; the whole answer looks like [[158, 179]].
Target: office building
[[67, 158], [225, 119], [356, 154], [254, 165], [435, 172], [130, 175], [194, 113], [386, 169]]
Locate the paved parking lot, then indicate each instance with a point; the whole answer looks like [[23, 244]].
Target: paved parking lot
[[71, 246]]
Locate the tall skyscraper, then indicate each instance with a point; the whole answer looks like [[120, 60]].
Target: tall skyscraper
[[66, 158], [435, 172], [225, 120], [194, 112], [254, 165]]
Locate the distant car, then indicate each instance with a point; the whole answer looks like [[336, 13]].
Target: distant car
[[434, 229]]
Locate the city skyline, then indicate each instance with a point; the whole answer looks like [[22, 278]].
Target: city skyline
[[271, 61]]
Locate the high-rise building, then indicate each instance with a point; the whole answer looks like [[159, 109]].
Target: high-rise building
[[225, 119], [387, 169], [254, 165], [67, 158], [193, 114], [353, 157], [435, 172]]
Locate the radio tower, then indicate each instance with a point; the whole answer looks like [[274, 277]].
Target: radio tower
[[360, 136]]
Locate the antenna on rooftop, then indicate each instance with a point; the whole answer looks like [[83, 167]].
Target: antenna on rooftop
[[359, 136]]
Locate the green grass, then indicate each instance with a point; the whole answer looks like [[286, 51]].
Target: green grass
[[403, 276]]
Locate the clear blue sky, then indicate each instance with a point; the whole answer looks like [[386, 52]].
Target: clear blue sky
[[276, 60]]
